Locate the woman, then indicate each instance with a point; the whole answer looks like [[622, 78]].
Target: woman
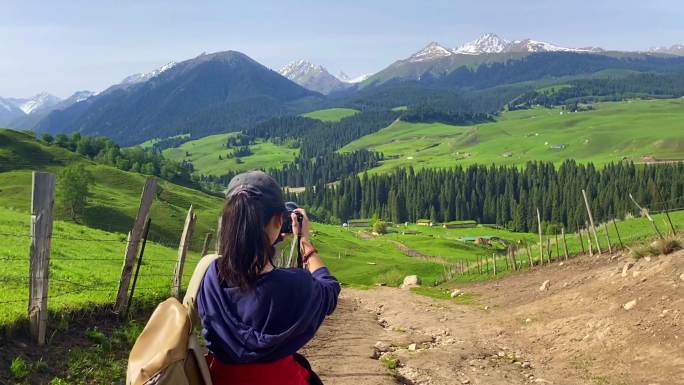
[[255, 317]]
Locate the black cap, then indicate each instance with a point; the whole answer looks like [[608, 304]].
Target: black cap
[[256, 184]]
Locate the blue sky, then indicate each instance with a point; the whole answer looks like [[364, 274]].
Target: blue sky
[[64, 46]]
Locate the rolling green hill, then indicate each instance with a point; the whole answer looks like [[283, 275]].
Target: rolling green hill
[[331, 114], [115, 195], [204, 155], [609, 133]]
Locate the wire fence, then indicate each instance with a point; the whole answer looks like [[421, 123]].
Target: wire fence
[[15, 287]]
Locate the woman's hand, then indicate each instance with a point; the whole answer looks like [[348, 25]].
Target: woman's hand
[[305, 223]]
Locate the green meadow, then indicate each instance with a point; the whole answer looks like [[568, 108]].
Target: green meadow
[[331, 114], [610, 132], [204, 154]]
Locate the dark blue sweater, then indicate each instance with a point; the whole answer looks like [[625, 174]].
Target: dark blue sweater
[[270, 322]]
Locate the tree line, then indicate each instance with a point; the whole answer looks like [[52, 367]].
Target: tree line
[[507, 196]]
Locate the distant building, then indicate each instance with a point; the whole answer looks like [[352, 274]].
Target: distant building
[[507, 154], [358, 223], [424, 222], [559, 146], [460, 224]]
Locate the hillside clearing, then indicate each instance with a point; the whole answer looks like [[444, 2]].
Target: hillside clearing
[[331, 114], [610, 133], [204, 154]]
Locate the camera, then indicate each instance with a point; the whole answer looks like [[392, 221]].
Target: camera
[[287, 218]]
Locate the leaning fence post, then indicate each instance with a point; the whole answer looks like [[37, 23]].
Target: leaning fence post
[[219, 239], [610, 246], [133, 242], [205, 246], [622, 246], [591, 220], [186, 237], [42, 203], [541, 242], [579, 232]]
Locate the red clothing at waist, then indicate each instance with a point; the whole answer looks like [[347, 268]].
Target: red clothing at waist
[[285, 371]]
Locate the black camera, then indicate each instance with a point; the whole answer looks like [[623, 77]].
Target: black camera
[[290, 207]]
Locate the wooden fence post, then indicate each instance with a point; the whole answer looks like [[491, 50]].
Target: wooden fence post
[[622, 246], [591, 220], [205, 246], [42, 203], [565, 244], [541, 241], [557, 245], [579, 232], [591, 250], [186, 237], [494, 263], [549, 252], [610, 246], [146, 199], [644, 212], [529, 254], [219, 238]]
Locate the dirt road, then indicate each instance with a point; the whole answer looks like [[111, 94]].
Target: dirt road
[[584, 328]]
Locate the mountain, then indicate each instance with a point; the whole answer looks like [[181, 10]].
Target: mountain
[[9, 112], [349, 80], [29, 120], [677, 49], [143, 77], [42, 101], [218, 92], [311, 76], [436, 62]]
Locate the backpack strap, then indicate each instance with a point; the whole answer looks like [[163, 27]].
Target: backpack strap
[[190, 299]]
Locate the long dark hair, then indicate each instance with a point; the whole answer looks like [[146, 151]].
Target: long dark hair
[[245, 246]]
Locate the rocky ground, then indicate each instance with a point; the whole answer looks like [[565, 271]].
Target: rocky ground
[[598, 320]]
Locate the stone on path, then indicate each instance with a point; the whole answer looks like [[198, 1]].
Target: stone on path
[[545, 285], [456, 293], [626, 267], [410, 281], [630, 305]]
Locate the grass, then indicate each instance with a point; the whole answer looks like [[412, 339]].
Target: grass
[[204, 155], [331, 114], [150, 142], [609, 133]]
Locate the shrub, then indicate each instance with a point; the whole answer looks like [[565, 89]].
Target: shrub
[[20, 368], [380, 227], [667, 245]]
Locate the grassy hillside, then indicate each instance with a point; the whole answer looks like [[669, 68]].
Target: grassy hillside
[[331, 114], [609, 133], [115, 195], [204, 153]]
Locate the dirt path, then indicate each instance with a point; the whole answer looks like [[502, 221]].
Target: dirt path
[[577, 331]]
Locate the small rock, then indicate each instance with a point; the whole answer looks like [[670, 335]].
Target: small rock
[[526, 365], [636, 273], [681, 276], [501, 354], [630, 305], [456, 293], [647, 259], [626, 267], [465, 381], [382, 347], [486, 307], [545, 285], [528, 320], [561, 264], [412, 347], [410, 281]]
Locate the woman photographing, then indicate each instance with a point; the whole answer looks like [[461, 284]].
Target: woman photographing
[[255, 317]]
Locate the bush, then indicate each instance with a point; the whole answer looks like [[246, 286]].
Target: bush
[[20, 368], [380, 227], [667, 245]]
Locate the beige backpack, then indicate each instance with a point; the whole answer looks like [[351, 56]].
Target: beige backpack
[[167, 351]]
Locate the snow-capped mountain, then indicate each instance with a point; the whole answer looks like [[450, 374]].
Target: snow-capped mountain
[[311, 76], [677, 49], [487, 43], [349, 80], [492, 44], [9, 112], [143, 77], [431, 51], [41, 101]]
